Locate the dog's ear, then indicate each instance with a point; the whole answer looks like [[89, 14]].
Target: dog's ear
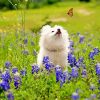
[[45, 28]]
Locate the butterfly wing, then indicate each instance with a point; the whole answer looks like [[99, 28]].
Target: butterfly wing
[[70, 12]]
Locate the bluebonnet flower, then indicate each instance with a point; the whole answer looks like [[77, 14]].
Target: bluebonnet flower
[[25, 41], [71, 60], [98, 68], [91, 55], [23, 72], [81, 59], [71, 43], [81, 40], [25, 52], [17, 80], [96, 51], [58, 72], [34, 53], [8, 64], [48, 66], [35, 68], [6, 76], [93, 97], [32, 43], [45, 59], [74, 72], [92, 87], [75, 96], [4, 85], [84, 73], [10, 96], [14, 70], [63, 78]]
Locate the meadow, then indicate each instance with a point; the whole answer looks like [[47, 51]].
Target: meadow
[[20, 77]]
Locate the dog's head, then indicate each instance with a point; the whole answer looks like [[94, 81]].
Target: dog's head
[[53, 37]]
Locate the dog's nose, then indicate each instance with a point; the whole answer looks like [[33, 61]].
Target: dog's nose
[[58, 31]]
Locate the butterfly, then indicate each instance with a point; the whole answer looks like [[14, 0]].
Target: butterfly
[[70, 12]]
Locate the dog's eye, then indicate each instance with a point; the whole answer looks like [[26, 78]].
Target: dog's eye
[[52, 31]]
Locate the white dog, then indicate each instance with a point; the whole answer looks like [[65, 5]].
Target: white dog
[[54, 42]]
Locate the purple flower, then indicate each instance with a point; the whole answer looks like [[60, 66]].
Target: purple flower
[[35, 68], [34, 53], [96, 51], [32, 43], [74, 72], [71, 43], [17, 80], [98, 68], [10, 96], [25, 41], [4, 85], [81, 40], [84, 73], [75, 96], [45, 59], [58, 72], [93, 97], [23, 72], [63, 78], [71, 60], [14, 70], [48, 66], [8, 64], [25, 52], [81, 59], [6, 76], [91, 55]]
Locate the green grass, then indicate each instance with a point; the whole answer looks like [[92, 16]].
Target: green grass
[[43, 86]]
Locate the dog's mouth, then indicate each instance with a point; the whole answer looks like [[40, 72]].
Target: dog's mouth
[[58, 32]]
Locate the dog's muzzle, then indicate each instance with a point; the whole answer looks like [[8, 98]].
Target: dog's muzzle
[[58, 32]]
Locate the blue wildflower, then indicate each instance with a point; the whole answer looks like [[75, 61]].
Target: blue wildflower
[[14, 70], [8, 64], [6, 76], [98, 68], [58, 72], [17, 80], [45, 59], [25, 41], [25, 52], [34, 53], [63, 78], [81, 40], [93, 97], [84, 73], [23, 72], [71, 60], [32, 43], [91, 55], [96, 51], [71, 43], [4, 85], [10, 96], [74, 72], [35, 68], [75, 96]]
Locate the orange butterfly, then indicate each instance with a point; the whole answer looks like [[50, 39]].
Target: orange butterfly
[[70, 12]]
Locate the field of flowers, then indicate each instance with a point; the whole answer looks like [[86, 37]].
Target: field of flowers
[[20, 76]]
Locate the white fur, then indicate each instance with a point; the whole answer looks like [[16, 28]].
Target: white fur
[[54, 46]]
